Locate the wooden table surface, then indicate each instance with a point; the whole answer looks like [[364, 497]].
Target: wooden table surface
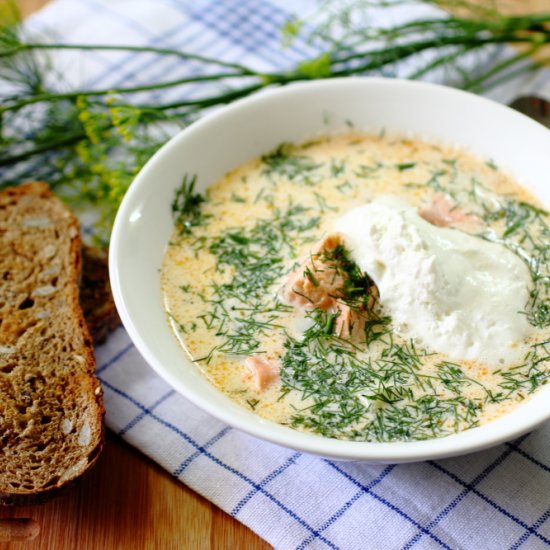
[[128, 501]]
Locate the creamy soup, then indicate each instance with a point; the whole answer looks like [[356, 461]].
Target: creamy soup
[[362, 287]]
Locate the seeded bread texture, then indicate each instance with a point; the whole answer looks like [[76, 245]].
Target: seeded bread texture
[[51, 405]]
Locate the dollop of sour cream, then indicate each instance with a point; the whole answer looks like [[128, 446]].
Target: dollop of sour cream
[[452, 292]]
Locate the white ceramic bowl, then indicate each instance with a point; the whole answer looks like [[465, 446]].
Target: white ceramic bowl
[[246, 129]]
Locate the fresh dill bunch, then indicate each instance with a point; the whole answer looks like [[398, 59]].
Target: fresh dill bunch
[[89, 152], [22, 74], [457, 42], [89, 143], [95, 172]]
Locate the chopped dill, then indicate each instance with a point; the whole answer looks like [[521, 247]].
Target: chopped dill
[[323, 204], [253, 403], [237, 198], [433, 182], [379, 397], [491, 164], [337, 167], [244, 308], [367, 172], [186, 206], [528, 376], [357, 285], [309, 274], [181, 328], [342, 187], [376, 328], [285, 163], [405, 166], [373, 386]]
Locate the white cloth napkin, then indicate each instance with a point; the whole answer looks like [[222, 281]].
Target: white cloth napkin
[[495, 499]]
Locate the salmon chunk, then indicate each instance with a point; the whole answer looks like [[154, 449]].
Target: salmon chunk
[[443, 213], [262, 370], [315, 282], [323, 281], [350, 323]]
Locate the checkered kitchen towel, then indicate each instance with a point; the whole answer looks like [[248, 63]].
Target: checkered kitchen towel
[[495, 499]]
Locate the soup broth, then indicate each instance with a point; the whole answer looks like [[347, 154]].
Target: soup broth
[[229, 284]]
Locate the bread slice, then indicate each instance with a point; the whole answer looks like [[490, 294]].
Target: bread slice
[[51, 404]]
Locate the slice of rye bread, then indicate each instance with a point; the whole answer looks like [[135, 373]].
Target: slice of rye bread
[[51, 404]]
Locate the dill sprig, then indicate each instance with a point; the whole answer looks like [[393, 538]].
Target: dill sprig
[[89, 143], [380, 396], [526, 232], [285, 163], [357, 288], [519, 225], [245, 307], [524, 229], [353, 390], [186, 206], [523, 379]]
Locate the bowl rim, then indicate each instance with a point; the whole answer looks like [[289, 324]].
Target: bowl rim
[[464, 442]]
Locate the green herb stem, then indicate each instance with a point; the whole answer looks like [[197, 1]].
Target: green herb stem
[[205, 102], [526, 69], [92, 147], [69, 139], [53, 97], [478, 83], [441, 61], [33, 46], [379, 58]]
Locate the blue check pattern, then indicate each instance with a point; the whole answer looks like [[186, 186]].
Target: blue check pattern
[[496, 499]]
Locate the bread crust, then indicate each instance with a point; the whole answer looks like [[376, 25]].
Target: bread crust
[[51, 402]]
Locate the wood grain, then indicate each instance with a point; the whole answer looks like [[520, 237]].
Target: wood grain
[[128, 501], [28, 6]]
